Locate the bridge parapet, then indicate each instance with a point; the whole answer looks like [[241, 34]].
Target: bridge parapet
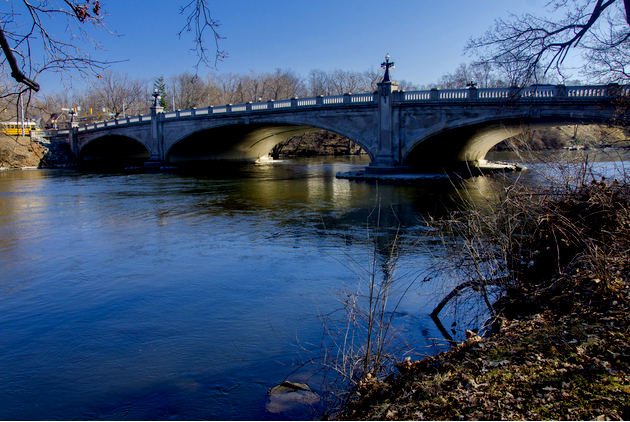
[[118, 122], [399, 97], [293, 103], [530, 92]]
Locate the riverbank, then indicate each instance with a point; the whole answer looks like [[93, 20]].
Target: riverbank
[[17, 152], [560, 344], [547, 365]]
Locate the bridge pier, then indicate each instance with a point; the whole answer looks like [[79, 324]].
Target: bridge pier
[[72, 138], [387, 159], [157, 135]]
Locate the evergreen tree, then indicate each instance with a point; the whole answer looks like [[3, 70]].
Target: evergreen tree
[[160, 85]]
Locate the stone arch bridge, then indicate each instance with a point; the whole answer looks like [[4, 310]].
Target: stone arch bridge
[[423, 130]]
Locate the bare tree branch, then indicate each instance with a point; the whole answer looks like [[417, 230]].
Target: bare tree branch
[[199, 21], [27, 28], [531, 46], [36, 41]]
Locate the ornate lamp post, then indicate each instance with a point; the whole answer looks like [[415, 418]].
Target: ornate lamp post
[[156, 97], [386, 65]]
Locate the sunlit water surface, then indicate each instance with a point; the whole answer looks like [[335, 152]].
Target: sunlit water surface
[[174, 296]]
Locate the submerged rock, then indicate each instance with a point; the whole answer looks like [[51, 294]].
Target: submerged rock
[[288, 395]]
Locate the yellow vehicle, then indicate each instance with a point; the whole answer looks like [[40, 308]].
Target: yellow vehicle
[[15, 128]]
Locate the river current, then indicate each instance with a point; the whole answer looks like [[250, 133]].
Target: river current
[[183, 296]]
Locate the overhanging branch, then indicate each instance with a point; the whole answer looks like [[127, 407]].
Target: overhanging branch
[[16, 73]]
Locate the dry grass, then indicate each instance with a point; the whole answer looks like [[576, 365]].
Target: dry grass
[[557, 343]]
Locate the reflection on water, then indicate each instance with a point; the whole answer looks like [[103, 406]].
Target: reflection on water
[[156, 296]]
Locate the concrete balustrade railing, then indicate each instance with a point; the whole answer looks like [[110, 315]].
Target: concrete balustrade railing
[[118, 122], [534, 91], [493, 93], [454, 94], [282, 104], [399, 97], [334, 99]]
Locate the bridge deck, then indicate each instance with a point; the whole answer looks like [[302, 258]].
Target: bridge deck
[[535, 92]]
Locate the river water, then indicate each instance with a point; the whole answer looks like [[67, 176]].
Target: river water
[[180, 296]]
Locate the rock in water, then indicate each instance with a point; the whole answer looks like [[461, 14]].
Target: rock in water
[[289, 394]]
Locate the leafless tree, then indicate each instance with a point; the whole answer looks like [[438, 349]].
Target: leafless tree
[[457, 79], [337, 82], [483, 75], [530, 46], [285, 84], [254, 86], [32, 45], [343, 81], [115, 91], [373, 77], [189, 90], [226, 85], [318, 82]]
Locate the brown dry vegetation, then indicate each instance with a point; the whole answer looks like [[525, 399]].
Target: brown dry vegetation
[[559, 347], [321, 142]]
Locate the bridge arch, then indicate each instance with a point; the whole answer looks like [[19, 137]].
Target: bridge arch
[[241, 141], [469, 141], [114, 149]]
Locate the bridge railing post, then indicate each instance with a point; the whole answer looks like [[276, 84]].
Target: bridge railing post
[[434, 95], [270, 105], [613, 90], [561, 91], [473, 93], [72, 136], [515, 92], [346, 98], [228, 108], [319, 100], [294, 102], [248, 106]]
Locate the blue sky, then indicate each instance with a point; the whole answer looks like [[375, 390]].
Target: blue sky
[[424, 38]]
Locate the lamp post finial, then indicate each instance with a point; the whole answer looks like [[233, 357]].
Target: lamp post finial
[[386, 65]]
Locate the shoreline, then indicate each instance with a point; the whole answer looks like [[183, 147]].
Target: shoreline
[[558, 343], [547, 365]]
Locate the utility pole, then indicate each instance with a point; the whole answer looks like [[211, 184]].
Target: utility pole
[[22, 108]]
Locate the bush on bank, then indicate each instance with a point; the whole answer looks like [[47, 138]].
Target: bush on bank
[[558, 344]]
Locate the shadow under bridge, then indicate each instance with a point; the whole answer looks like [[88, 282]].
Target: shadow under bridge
[[236, 142], [114, 150]]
